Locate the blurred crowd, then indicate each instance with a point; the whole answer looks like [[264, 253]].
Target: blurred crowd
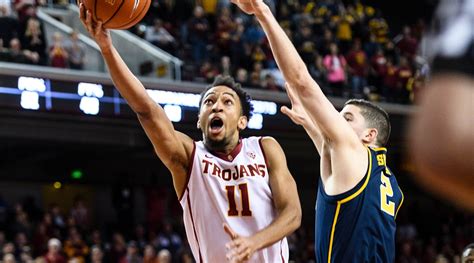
[[23, 39], [349, 48], [427, 232]]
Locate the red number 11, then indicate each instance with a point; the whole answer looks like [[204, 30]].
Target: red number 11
[[244, 194]]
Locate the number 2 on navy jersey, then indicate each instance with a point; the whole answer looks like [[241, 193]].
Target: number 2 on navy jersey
[[386, 191], [244, 194]]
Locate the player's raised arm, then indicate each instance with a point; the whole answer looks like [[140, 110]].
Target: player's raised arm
[[173, 148], [332, 125], [285, 200]]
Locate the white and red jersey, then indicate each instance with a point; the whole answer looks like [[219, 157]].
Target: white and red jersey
[[232, 189]]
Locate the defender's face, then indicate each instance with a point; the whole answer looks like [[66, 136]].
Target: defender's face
[[221, 117], [354, 118]]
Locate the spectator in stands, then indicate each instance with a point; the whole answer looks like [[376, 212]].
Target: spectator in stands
[[118, 249], [75, 247], [406, 43], [132, 255], [318, 72], [97, 255], [10, 25], [96, 239], [208, 71], [17, 55], [198, 33], [164, 256], [344, 33], [255, 80], [379, 27], [168, 238], [76, 51], [185, 256], [139, 236], [335, 65], [242, 77], [378, 69], [239, 49], [22, 224], [253, 34], [21, 243], [159, 36], [80, 213], [54, 252], [3, 240], [390, 81], [359, 68], [323, 44], [8, 248], [225, 67], [57, 52], [391, 52], [33, 39], [269, 83], [9, 258], [149, 255], [404, 74], [225, 26], [57, 216], [40, 240], [371, 46]]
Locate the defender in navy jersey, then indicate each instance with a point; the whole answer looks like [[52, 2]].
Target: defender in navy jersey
[[359, 225], [358, 197]]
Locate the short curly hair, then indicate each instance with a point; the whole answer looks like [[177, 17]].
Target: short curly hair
[[228, 81]]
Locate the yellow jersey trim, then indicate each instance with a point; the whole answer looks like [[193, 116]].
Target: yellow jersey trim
[[380, 149], [401, 202], [345, 200]]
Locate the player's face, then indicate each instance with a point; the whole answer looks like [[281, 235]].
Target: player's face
[[354, 118], [220, 118]]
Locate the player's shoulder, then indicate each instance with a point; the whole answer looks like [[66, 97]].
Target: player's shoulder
[[266, 142]]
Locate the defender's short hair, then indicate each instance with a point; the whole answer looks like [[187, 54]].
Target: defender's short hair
[[376, 117]]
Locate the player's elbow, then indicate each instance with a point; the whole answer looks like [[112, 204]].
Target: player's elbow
[[301, 81], [295, 218]]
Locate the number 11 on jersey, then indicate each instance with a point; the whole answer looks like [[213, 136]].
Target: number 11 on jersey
[[244, 196]]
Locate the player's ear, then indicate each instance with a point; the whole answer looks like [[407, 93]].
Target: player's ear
[[242, 123], [370, 135], [198, 123]]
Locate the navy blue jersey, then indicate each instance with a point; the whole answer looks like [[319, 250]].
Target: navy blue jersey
[[359, 225]]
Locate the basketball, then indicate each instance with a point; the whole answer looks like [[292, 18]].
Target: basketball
[[117, 14]]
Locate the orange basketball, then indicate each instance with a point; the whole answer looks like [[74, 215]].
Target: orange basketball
[[117, 14]]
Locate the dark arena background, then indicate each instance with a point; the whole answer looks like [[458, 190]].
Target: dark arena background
[[77, 168]]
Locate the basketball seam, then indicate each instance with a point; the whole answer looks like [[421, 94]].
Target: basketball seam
[[116, 11], [140, 16]]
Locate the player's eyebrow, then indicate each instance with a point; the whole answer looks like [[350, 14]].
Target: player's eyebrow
[[210, 93], [348, 114], [230, 94]]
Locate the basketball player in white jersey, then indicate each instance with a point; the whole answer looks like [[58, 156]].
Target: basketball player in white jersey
[[238, 197]]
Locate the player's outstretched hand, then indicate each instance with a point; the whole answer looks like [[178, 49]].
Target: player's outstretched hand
[[297, 113], [251, 7], [95, 28], [240, 249]]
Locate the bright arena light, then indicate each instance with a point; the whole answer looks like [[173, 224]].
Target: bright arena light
[[173, 112]]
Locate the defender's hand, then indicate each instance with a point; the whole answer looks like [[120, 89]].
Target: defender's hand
[[251, 7], [95, 28], [240, 249], [297, 113]]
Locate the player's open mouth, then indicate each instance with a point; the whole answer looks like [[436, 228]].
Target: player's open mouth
[[216, 125]]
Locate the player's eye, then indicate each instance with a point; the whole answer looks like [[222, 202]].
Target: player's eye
[[208, 102], [228, 102]]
